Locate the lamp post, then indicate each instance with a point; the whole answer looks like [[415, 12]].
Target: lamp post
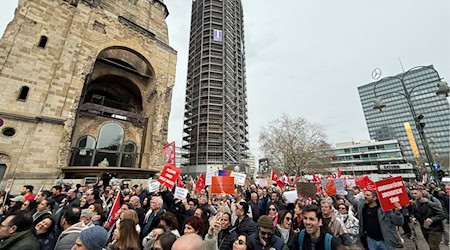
[[443, 90]]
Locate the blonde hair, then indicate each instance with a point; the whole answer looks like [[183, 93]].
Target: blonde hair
[[131, 215]]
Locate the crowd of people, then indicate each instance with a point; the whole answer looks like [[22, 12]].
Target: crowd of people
[[117, 217]]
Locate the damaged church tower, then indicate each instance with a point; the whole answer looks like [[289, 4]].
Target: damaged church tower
[[86, 88]]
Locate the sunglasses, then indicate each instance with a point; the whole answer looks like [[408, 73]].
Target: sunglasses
[[269, 234], [240, 242], [342, 208], [272, 209], [288, 218]]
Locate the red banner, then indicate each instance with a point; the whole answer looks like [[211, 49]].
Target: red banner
[[391, 191], [170, 152], [365, 183], [221, 184], [330, 188], [169, 175]]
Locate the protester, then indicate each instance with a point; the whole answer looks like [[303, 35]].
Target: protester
[[27, 192], [333, 225], [194, 225], [152, 217], [169, 221], [255, 206], [43, 230], [351, 223], [45, 207], [189, 242], [15, 232], [164, 241], [93, 238], [126, 237], [265, 238], [430, 216], [297, 222], [244, 224], [72, 228], [376, 227], [273, 212], [283, 228], [313, 237], [29, 205]]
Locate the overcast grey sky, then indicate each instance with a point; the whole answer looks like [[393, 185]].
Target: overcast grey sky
[[307, 58]]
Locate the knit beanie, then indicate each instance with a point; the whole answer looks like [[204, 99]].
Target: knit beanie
[[265, 221], [94, 238]]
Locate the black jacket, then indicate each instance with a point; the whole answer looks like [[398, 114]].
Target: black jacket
[[225, 238], [247, 226], [319, 246]]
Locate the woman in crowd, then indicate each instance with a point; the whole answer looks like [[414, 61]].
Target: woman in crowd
[[147, 242], [170, 222], [125, 237], [297, 222], [131, 215], [164, 241], [221, 234], [203, 214], [243, 242], [273, 213], [284, 228], [350, 222], [43, 230], [98, 219], [194, 225]]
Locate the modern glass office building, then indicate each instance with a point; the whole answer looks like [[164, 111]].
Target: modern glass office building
[[389, 124], [382, 158], [215, 129]]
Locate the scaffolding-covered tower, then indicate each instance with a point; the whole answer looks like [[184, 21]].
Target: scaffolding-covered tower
[[215, 125]]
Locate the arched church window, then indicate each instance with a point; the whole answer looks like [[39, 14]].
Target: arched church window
[[128, 155], [110, 137], [87, 142]]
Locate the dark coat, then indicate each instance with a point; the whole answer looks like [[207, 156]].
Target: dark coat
[[225, 238], [277, 243], [151, 223], [319, 246], [427, 209], [290, 242], [247, 226], [20, 241]]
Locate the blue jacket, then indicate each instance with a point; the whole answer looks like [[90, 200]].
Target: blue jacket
[[276, 243]]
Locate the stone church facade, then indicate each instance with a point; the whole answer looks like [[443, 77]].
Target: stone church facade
[[86, 88]]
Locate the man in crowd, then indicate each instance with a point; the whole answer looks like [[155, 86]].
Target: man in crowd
[[15, 232], [430, 216], [27, 192], [92, 196], [44, 194], [275, 198], [244, 224], [57, 195], [254, 205], [264, 238], [72, 228], [72, 198], [135, 202], [238, 198], [45, 207], [93, 238], [376, 226], [151, 219], [334, 225], [189, 242], [312, 237]]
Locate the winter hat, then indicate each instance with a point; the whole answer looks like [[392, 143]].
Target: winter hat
[[265, 221], [94, 238]]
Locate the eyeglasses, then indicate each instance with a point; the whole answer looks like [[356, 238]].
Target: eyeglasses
[[272, 209], [240, 242], [288, 218]]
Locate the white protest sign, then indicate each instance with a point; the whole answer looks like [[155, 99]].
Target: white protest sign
[[210, 172], [180, 193], [291, 196], [154, 186], [239, 178], [262, 182], [339, 184], [351, 182]]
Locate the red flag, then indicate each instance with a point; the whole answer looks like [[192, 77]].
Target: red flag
[[200, 184], [330, 188], [113, 211], [170, 152], [273, 176], [180, 182], [365, 183], [339, 173]]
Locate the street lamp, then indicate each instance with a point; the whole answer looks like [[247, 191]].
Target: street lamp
[[443, 91]]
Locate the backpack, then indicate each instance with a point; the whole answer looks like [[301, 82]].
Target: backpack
[[328, 238]]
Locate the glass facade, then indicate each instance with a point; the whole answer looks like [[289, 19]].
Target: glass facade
[[389, 124]]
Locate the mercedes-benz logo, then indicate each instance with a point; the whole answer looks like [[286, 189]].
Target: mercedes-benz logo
[[376, 73]]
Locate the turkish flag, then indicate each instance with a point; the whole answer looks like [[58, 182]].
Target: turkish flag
[[169, 149], [200, 184], [113, 211], [180, 182], [365, 183], [330, 188], [273, 176]]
